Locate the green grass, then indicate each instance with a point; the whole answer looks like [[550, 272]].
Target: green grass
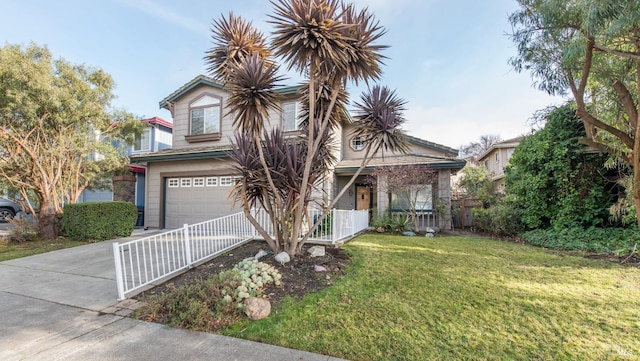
[[11, 250], [455, 298]]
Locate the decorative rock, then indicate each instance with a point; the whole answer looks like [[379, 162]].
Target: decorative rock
[[316, 251], [429, 235], [261, 253], [282, 258], [319, 268], [380, 229], [257, 308], [433, 229], [408, 233]]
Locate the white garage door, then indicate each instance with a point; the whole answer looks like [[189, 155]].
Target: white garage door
[[197, 199]]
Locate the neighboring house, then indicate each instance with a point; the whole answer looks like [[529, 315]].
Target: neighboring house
[[191, 182], [496, 158], [157, 136]]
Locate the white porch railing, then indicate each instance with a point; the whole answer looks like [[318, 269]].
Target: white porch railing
[[142, 262]]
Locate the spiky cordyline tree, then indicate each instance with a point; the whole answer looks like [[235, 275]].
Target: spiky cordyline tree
[[331, 43]]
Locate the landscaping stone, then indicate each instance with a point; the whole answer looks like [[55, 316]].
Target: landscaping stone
[[433, 229], [282, 258], [257, 308], [261, 253], [408, 233], [429, 235], [319, 268], [316, 251]]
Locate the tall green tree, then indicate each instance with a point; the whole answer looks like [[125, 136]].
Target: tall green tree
[[56, 129], [590, 49], [330, 43], [554, 181], [476, 182]]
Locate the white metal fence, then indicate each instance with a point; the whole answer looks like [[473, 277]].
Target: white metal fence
[[144, 261]]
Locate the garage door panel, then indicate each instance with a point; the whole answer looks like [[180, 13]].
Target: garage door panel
[[196, 204]]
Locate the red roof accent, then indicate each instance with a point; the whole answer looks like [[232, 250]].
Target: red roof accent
[[137, 168], [158, 121]]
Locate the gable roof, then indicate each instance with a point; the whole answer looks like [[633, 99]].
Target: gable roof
[[205, 80], [509, 143], [431, 145]]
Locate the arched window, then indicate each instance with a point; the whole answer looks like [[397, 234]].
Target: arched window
[[357, 143]]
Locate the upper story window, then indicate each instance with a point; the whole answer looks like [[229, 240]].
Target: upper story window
[[357, 143], [204, 118], [290, 116], [509, 154], [143, 141]]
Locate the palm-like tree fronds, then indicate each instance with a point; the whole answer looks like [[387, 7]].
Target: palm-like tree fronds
[[379, 120], [247, 164], [364, 58], [339, 114], [233, 39], [251, 84], [310, 32]]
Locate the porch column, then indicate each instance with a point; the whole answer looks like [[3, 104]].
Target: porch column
[[444, 199], [382, 195]]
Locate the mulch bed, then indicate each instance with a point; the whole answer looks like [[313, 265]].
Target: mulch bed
[[298, 276]]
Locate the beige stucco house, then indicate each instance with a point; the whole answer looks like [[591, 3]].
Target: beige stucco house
[[190, 182], [496, 158]]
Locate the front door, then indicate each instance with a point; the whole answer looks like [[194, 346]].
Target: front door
[[363, 197]]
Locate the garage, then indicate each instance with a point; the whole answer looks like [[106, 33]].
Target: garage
[[196, 199]]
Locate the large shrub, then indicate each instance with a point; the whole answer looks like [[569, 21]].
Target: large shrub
[[502, 219], [555, 182], [99, 220]]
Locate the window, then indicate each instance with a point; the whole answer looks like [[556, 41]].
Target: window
[[173, 182], [205, 115], [227, 181], [143, 141], [290, 116], [357, 143], [419, 195], [498, 157], [185, 182], [212, 181], [198, 182], [509, 154]]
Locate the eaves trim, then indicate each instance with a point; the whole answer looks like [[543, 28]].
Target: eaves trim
[[216, 154]]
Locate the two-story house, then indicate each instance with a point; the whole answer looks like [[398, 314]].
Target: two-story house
[[156, 136], [191, 182], [496, 158]]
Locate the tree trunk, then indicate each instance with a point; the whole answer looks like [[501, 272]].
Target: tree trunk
[[47, 222]]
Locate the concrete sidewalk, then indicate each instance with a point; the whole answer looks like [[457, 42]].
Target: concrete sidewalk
[[51, 308]]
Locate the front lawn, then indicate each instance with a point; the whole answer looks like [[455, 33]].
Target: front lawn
[[11, 250], [456, 298]]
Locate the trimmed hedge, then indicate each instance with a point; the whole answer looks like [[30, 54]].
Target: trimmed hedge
[[99, 220], [601, 240]]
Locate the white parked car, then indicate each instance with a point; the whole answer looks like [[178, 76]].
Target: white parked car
[[8, 209]]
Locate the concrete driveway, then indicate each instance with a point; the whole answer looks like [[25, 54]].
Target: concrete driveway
[[53, 306]]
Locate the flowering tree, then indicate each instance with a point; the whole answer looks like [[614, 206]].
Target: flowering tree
[[410, 187]]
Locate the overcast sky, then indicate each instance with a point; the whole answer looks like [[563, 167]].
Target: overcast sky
[[448, 59]]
